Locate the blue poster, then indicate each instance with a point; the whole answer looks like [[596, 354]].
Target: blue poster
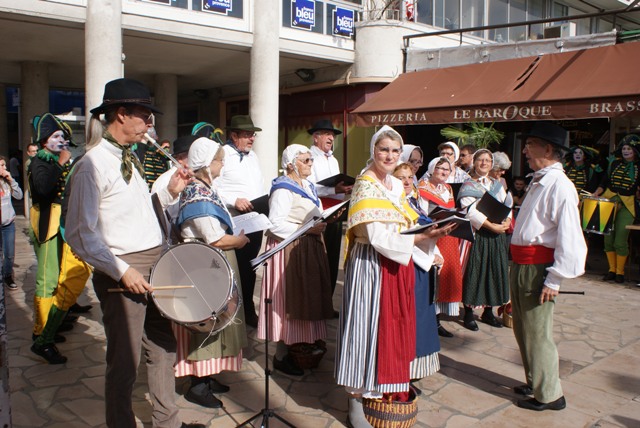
[[303, 14], [217, 6], [343, 22]]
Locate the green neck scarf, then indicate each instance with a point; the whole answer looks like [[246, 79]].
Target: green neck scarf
[[128, 159]]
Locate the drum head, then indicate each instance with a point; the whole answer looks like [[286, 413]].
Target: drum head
[[195, 264]]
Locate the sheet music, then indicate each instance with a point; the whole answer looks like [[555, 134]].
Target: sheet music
[[251, 222]]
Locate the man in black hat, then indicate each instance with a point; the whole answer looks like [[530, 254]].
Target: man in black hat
[[46, 175], [239, 183], [325, 165], [112, 226], [547, 247]]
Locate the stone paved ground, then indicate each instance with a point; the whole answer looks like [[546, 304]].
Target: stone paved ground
[[597, 334]]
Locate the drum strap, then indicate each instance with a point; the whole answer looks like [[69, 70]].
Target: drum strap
[[169, 231]]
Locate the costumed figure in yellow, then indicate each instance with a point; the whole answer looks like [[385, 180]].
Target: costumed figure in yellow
[[580, 170], [620, 185], [47, 174]]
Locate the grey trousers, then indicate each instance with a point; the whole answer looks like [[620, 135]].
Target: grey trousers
[[132, 320], [533, 329]]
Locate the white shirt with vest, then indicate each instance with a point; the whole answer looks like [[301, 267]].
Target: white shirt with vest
[[240, 177]]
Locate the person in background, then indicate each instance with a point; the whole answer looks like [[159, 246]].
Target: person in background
[[485, 281], [414, 157], [580, 170], [518, 190], [620, 184], [297, 279], [9, 188], [547, 247], [501, 164], [325, 165], [203, 217], [465, 162], [15, 166], [239, 183], [155, 162], [47, 176], [451, 151]]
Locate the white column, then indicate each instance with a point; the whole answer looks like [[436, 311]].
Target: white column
[[264, 83], [103, 49], [166, 100], [34, 97]]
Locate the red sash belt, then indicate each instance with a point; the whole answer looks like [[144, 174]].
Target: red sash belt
[[531, 254]]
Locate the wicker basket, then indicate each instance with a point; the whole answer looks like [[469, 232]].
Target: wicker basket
[[308, 355], [507, 320], [391, 414]]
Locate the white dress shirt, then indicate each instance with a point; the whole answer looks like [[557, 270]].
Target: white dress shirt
[[549, 217], [107, 217], [239, 179], [288, 211], [324, 167]]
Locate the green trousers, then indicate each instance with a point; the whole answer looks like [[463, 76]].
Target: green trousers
[[618, 241], [533, 329], [48, 254]]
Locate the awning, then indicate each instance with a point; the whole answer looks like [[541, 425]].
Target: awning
[[590, 83]]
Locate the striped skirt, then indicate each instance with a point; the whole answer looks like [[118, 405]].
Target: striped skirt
[[357, 340], [281, 327]]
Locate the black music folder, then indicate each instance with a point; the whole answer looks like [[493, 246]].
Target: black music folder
[[347, 180], [463, 231], [495, 210], [261, 204]]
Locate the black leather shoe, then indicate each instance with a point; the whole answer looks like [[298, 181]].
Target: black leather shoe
[[523, 389], [470, 322], [287, 366], [619, 279], [444, 332], [58, 338], [217, 387], [49, 353], [533, 404], [201, 394], [609, 276], [184, 425], [79, 309], [489, 318]]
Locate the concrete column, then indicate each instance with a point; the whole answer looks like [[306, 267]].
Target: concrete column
[[166, 100], [34, 97], [264, 83], [103, 49], [4, 133]]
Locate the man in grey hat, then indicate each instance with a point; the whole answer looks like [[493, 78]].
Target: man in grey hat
[[547, 247], [112, 226], [239, 183], [325, 165]]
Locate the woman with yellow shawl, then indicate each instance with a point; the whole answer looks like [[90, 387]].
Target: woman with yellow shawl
[[620, 185], [376, 333]]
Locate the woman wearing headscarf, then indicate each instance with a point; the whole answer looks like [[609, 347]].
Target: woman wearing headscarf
[[580, 171], [451, 151], [203, 217], [377, 334], [486, 281], [426, 361], [296, 279], [620, 185], [434, 193], [413, 156]]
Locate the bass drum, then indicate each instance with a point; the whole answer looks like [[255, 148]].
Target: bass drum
[[213, 301]]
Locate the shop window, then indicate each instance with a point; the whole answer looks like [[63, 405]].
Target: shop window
[[473, 15], [183, 4], [447, 14], [517, 13], [499, 14], [424, 10], [220, 8], [535, 10]]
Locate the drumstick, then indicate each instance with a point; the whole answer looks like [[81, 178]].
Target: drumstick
[[161, 287]]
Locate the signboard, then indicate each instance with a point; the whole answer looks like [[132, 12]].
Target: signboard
[[303, 14], [343, 22], [222, 7]]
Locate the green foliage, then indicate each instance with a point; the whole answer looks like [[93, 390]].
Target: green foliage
[[475, 133]]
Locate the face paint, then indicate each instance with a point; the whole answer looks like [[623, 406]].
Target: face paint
[[57, 143]]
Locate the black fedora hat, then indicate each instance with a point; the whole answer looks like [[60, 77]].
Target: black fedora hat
[[242, 123], [183, 144], [125, 92], [549, 132], [323, 125]]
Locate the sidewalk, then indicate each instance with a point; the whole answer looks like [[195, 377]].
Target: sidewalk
[[598, 339]]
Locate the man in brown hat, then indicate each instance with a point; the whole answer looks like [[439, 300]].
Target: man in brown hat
[[112, 226], [547, 247], [325, 165], [239, 183]]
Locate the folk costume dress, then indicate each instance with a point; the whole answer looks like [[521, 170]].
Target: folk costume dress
[[620, 185], [486, 281], [376, 340], [297, 279], [584, 177], [204, 217], [449, 293]]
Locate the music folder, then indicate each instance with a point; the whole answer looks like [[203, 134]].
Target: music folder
[[495, 210], [347, 180], [261, 204], [463, 231]]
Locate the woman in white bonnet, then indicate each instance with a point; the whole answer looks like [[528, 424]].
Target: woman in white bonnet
[[297, 279], [202, 216]]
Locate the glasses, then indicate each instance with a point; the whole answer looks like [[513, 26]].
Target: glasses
[[415, 161], [440, 168], [149, 119], [306, 161], [246, 134], [447, 154]]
